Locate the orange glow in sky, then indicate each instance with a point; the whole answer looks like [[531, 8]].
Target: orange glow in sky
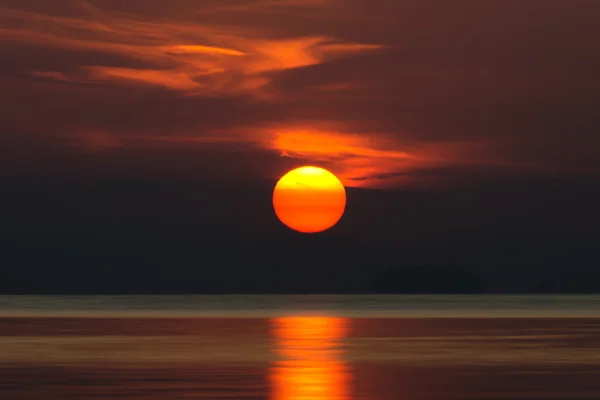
[[310, 365], [309, 199], [354, 156]]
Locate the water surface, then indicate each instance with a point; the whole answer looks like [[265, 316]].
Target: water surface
[[281, 305], [299, 348]]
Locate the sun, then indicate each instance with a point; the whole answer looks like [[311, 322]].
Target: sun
[[309, 199]]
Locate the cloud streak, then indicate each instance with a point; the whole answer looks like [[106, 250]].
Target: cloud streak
[[190, 57]]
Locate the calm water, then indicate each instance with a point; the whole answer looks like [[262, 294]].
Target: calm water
[[300, 347], [282, 305]]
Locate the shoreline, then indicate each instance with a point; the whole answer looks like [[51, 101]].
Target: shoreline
[[253, 314]]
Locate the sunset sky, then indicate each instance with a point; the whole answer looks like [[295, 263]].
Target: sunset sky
[[390, 93], [490, 106]]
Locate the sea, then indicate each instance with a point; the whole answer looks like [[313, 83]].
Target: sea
[[300, 347]]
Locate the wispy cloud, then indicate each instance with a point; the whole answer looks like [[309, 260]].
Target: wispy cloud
[[180, 56], [167, 79], [353, 157], [198, 49]]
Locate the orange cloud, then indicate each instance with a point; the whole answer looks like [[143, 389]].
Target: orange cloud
[[351, 157], [167, 79], [371, 159], [54, 75], [179, 55], [301, 52], [198, 49]]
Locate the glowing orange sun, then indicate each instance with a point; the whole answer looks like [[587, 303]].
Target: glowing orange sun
[[309, 199]]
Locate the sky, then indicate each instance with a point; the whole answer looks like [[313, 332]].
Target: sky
[[397, 94], [470, 114]]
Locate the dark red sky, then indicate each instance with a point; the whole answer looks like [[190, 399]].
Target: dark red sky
[[388, 93], [477, 121]]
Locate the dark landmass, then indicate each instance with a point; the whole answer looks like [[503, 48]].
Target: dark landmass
[[187, 238], [431, 279], [287, 263]]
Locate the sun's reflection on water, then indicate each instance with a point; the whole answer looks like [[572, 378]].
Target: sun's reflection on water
[[310, 362]]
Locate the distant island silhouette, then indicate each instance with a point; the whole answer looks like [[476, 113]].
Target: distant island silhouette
[[50, 271], [428, 279]]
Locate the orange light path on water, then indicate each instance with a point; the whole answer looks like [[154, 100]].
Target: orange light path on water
[[310, 365]]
